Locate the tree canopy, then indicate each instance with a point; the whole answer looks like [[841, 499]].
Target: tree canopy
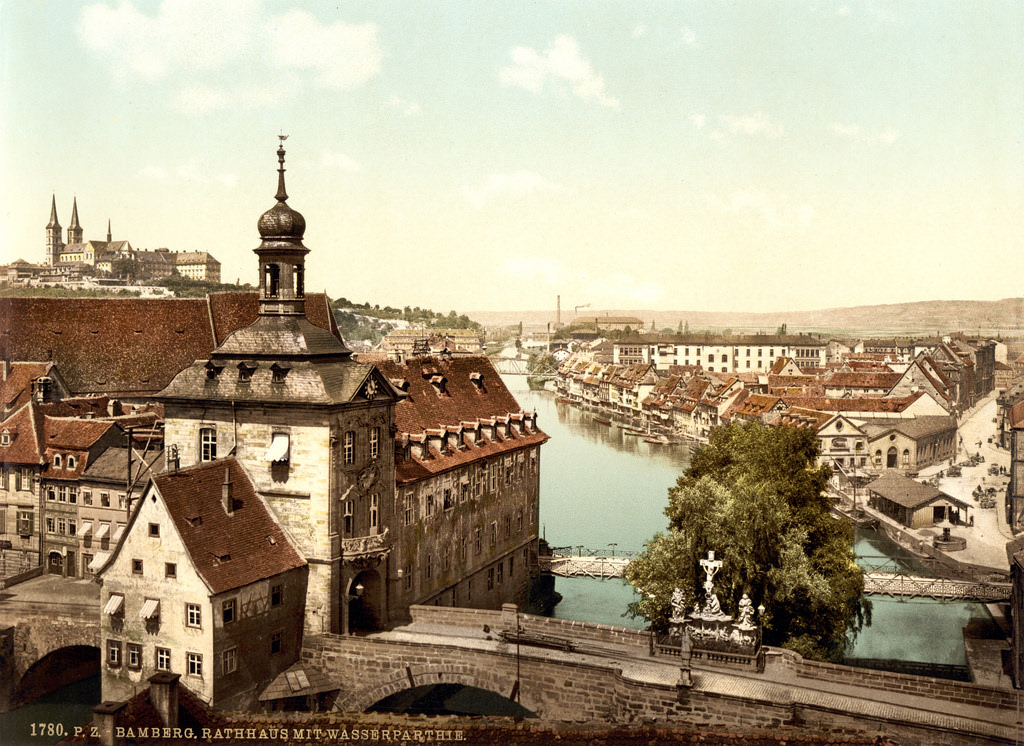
[[755, 496]]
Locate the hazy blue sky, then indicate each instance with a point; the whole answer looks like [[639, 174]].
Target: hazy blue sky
[[486, 155]]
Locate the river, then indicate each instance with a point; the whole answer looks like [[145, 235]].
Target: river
[[601, 486]]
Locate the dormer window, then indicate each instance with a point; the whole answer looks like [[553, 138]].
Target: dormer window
[[213, 370], [72, 462], [440, 384], [245, 371], [57, 461], [478, 381], [5, 437], [278, 372]]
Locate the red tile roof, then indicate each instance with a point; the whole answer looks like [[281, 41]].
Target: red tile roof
[[857, 404], [454, 399], [252, 539], [16, 386], [128, 346], [863, 380], [25, 430]]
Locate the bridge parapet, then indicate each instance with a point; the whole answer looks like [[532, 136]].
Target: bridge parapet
[[569, 685]]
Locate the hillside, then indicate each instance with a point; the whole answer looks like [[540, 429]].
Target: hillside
[[997, 318]]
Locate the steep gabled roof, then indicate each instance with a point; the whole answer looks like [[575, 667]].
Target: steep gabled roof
[[228, 551], [24, 429], [16, 386]]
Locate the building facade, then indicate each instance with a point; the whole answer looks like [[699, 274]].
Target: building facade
[[205, 584]]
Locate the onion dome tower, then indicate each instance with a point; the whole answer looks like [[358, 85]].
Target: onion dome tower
[[282, 255]]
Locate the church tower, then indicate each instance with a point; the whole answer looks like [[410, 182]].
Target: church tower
[[312, 428], [281, 253], [74, 230], [53, 235]]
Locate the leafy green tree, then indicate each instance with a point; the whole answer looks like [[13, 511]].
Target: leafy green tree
[[755, 496]]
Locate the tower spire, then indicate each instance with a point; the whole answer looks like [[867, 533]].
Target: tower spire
[[54, 223], [75, 229], [109, 239], [281, 195]]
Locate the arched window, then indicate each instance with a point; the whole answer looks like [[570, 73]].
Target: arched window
[[906, 457], [272, 280], [300, 280]]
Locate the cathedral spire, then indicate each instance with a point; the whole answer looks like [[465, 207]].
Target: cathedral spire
[[109, 239], [75, 229], [54, 223]]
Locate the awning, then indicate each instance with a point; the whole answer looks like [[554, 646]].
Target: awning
[[114, 603], [85, 529], [98, 561], [118, 533], [150, 609], [278, 450], [102, 531]]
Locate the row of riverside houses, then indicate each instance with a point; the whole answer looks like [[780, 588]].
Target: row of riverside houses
[[896, 406], [303, 490]]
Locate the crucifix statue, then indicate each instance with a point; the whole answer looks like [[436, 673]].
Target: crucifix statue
[[712, 609]]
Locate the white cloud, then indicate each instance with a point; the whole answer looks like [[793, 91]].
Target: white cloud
[[200, 99], [338, 161], [191, 172], [639, 31], [511, 186], [341, 55], [183, 34], [775, 210], [752, 124], [699, 120], [403, 107], [184, 41], [887, 136], [689, 36], [561, 62]]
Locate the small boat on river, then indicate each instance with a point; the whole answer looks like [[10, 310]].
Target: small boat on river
[[602, 421]]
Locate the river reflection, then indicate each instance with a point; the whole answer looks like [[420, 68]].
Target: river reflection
[[601, 488]]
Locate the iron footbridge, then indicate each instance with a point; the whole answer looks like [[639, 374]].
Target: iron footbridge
[[913, 586], [575, 566]]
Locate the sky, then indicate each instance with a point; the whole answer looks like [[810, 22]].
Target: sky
[[643, 154]]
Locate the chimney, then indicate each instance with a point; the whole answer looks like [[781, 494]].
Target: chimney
[[105, 716], [163, 695], [226, 498]]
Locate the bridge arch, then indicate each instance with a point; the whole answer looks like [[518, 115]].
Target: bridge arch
[[55, 669], [492, 680]]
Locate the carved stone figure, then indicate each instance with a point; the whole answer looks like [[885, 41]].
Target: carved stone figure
[[678, 606], [746, 613]]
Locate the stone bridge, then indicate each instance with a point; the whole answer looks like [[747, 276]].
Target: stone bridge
[[574, 671], [44, 645]]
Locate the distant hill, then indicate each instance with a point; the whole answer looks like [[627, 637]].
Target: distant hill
[[996, 318]]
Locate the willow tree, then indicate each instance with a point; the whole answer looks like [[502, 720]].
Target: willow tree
[[755, 495]]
